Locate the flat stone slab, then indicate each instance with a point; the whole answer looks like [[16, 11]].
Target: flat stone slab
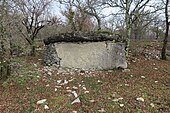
[[87, 55]]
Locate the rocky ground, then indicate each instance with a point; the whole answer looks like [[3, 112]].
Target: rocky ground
[[142, 88]]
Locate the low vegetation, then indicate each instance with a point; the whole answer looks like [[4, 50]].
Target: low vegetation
[[142, 88]]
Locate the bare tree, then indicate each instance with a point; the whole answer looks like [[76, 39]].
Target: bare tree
[[34, 18], [128, 8], [69, 14], [163, 53], [91, 7], [4, 40]]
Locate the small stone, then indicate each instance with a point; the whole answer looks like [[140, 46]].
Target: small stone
[[156, 68], [126, 70], [121, 105], [131, 75], [77, 100], [156, 81], [55, 89], [28, 88], [35, 65], [115, 100], [74, 112], [65, 82], [41, 101], [92, 101], [120, 98], [101, 110], [59, 81], [46, 107], [110, 71], [74, 93], [140, 99], [86, 92], [84, 88], [69, 91], [67, 87], [152, 105], [71, 80], [74, 87], [49, 73], [142, 76], [99, 81], [126, 84], [58, 86], [47, 85]]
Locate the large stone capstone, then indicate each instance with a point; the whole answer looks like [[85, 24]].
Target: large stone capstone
[[86, 55]]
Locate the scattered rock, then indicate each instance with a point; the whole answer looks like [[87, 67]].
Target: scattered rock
[[121, 105], [59, 81], [126, 70], [140, 99], [28, 88], [84, 88], [152, 105], [126, 84], [74, 87], [69, 91], [77, 100], [46, 107], [64, 83], [74, 112], [55, 89], [101, 110], [74, 93], [99, 81], [92, 101], [86, 92], [41, 101], [49, 73], [47, 85], [58, 86], [71, 80], [35, 65], [117, 99], [67, 87], [156, 68], [142, 76], [156, 81]]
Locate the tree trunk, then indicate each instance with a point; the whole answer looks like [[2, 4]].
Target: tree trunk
[[33, 52], [163, 53], [99, 23], [128, 27]]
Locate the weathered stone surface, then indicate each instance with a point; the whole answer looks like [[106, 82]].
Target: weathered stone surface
[[51, 56], [85, 51], [87, 55], [78, 37]]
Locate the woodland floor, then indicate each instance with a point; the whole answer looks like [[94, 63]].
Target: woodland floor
[[142, 88]]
